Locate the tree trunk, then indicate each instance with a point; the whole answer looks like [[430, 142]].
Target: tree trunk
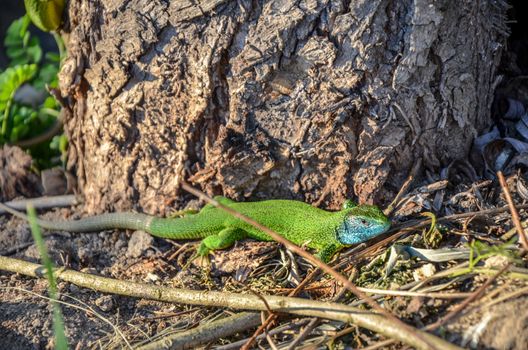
[[311, 100]]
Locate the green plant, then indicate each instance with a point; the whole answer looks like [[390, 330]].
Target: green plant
[[433, 236], [61, 343], [480, 251], [23, 118]]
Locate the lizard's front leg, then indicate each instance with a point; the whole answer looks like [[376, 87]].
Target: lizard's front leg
[[224, 239], [327, 252]]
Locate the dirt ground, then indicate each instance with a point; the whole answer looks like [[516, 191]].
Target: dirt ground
[[97, 320]]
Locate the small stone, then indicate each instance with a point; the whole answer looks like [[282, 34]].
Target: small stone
[[36, 323], [424, 272], [84, 254], [151, 277], [105, 303], [61, 286], [139, 243], [496, 261], [121, 243]]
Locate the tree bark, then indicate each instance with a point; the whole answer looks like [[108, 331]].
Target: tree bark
[[312, 100]]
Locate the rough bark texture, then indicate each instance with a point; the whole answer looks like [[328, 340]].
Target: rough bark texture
[[312, 100]]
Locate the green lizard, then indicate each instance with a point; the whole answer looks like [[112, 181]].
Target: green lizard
[[327, 232]]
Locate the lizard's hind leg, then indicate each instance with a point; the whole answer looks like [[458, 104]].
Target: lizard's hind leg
[[182, 213], [224, 239]]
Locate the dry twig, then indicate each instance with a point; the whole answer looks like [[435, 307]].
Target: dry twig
[[403, 190], [513, 211], [205, 333]]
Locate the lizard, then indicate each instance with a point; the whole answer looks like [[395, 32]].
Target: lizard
[[325, 231]]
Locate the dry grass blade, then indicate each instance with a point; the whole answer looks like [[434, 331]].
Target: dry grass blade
[[314, 322], [324, 267], [513, 211], [280, 329]]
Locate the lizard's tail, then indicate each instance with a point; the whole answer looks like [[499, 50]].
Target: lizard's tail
[[133, 221]]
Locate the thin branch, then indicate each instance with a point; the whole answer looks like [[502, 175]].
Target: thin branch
[[314, 322], [456, 311], [513, 211], [404, 293], [205, 333], [280, 329], [46, 202], [403, 190]]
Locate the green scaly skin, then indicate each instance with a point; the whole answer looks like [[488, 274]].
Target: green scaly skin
[[45, 14], [327, 232]]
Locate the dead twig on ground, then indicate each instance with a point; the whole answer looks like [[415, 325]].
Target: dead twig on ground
[[205, 333], [455, 312], [314, 322], [513, 210], [405, 187], [46, 202]]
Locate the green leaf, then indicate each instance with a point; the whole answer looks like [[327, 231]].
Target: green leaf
[[47, 75], [50, 102], [433, 236], [10, 80], [52, 57], [480, 251], [60, 143], [17, 121], [33, 50], [21, 48], [17, 30]]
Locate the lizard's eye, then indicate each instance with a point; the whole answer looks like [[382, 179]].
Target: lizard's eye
[[364, 222]]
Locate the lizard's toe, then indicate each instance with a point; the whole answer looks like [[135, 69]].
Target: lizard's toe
[[202, 261], [203, 250]]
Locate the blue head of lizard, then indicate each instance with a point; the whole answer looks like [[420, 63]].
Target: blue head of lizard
[[362, 223]]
